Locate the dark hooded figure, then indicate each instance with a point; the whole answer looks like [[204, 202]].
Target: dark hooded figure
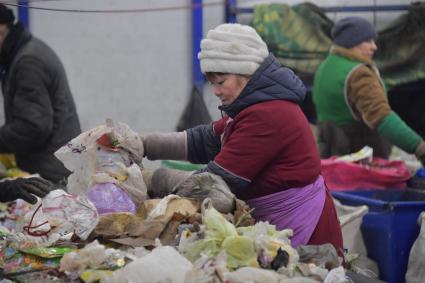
[[40, 113]]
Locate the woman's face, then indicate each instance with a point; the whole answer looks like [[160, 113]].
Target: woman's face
[[228, 87]]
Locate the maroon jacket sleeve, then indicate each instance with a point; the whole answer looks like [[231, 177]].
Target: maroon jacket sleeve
[[251, 144]]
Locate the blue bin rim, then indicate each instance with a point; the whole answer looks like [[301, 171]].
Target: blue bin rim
[[361, 200]]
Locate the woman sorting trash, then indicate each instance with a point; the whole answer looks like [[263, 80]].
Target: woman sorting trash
[[262, 147]]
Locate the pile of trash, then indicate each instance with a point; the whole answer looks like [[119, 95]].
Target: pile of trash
[[118, 223], [213, 250]]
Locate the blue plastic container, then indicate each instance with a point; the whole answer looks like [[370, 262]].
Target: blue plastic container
[[421, 172], [389, 228]]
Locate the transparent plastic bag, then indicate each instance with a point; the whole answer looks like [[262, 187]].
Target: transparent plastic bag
[[69, 214], [109, 153]]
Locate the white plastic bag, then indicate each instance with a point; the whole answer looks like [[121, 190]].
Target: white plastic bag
[[92, 163], [70, 214], [253, 274], [93, 256], [351, 218], [416, 266], [336, 275], [163, 264]]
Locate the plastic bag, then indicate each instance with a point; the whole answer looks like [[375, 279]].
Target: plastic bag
[[108, 198], [380, 173], [20, 263], [48, 252], [351, 218], [336, 275], [416, 265], [242, 245], [208, 269], [240, 252], [268, 241], [94, 256], [163, 264], [70, 214], [217, 227], [105, 154]]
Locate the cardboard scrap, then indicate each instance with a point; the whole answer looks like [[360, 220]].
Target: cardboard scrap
[[242, 216], [184, 206], [138, 230]]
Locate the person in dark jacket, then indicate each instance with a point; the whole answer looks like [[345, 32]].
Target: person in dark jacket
[[25, 188], [40, 113], [263, 147]]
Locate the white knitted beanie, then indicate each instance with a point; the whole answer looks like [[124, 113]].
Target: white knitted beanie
[[232, 49]]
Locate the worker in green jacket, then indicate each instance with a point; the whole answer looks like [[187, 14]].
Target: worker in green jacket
[[351, 101]]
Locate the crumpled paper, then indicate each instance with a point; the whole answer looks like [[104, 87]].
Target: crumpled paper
[[155, 218]]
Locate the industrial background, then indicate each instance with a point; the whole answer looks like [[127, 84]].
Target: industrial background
[[132, 60]]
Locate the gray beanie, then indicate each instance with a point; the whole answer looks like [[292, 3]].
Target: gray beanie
[[232, 49], [351, 31]]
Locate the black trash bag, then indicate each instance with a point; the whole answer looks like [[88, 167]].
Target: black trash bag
[[195, 113]]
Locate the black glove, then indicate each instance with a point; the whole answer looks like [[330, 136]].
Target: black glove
[[24, 188]]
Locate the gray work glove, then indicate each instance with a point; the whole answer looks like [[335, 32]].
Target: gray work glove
[[196, 186], [160, 146], [164, 180], [420, 152], [25, 188], [207, 185]]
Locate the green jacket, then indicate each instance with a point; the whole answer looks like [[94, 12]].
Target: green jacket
[[348, 93], [329, 90]]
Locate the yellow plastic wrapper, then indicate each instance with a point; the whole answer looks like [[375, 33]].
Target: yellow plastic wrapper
[[217, 227], [243, 245], [47, 252], [240, 252], [207, 247], [8, 167], [220, 235], [89, 276], [8, 160], [16, 173]]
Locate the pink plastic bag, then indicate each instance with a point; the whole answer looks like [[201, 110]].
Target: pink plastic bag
[[378, 174]]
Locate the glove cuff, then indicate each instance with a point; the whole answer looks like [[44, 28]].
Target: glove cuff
[[160, 146]]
